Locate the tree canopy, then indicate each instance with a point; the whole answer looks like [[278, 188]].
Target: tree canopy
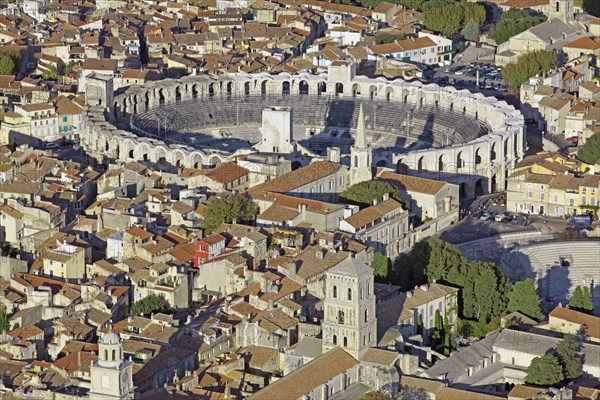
[[4, 320], [385, 37], [471, 31], [483, 287], [363, 193], [589, 153], [381, 265], [7, 65], [449, 18], [229, 208], [567, 354], [523, 297], [528, 65], [149, 305], [545, 370], [581, 299], [513, 22]]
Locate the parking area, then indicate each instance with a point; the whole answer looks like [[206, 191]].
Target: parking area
[[476, 75]]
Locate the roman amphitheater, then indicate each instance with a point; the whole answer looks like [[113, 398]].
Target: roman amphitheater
[[439, 132]]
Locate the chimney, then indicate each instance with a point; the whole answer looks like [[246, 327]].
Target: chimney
[[386, 196], [409, 294], [374, 202], [319, 254], [425, 287]]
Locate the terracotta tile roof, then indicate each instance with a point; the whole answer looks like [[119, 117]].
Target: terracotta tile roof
[[26, 332], [448, 393], [412, 183], [258, 356], [295, 179], [591, 322], [139, 232], [310, 266], [317, 372], [380, 356], [584, 43], [525, 392], [226, 172], [373, 213]]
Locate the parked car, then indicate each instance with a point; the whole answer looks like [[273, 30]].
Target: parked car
[[516, 219], [485, 216], [51, 146]]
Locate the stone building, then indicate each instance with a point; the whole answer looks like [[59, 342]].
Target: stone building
[[349, 310], [111, 374]]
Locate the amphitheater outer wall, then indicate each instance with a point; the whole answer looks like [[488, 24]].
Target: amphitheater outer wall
[[484, 161]]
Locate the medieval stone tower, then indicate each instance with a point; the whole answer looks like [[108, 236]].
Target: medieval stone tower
[[349, 308], [360, 154], [561, 9], [111, 375]]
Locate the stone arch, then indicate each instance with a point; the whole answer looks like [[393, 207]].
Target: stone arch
[[196, 160], [477, 157], [161, 97], [147, 100], [195, 92], [355, 90], [479, 187], [389, 93], [246, 88], [421, 164], [303, 87], [493, 184], [372, 92], [339, 88], [229, 88], [211, 89], [401, 167], [459, 160], [263, 87], [321, 87], [493, 152], [285, 87], [144, 152], [214, 160], [178, 158], [177, 93], [128, 150], [505, 143], [160, 155], [462, 190], [441, 162]]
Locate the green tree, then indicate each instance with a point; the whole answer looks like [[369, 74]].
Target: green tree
[[528, 65], [545, 370], [381, 265], [229, 208], [7, 65], [446, 20], [567, 353], [438, 331], [385, 37], [51, 73], [589, 153], [523, 297], [471, 31], [582, 299], [513, 22], [149, 305], [363, 193], [4, 321], [412, 4]]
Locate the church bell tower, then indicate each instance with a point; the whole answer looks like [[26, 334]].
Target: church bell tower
[[111, 375], [361, 154], [349, 308]]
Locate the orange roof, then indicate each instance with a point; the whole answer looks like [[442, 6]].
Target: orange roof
[[413, 183], [591, 322], [584, 43], [226, 172]]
